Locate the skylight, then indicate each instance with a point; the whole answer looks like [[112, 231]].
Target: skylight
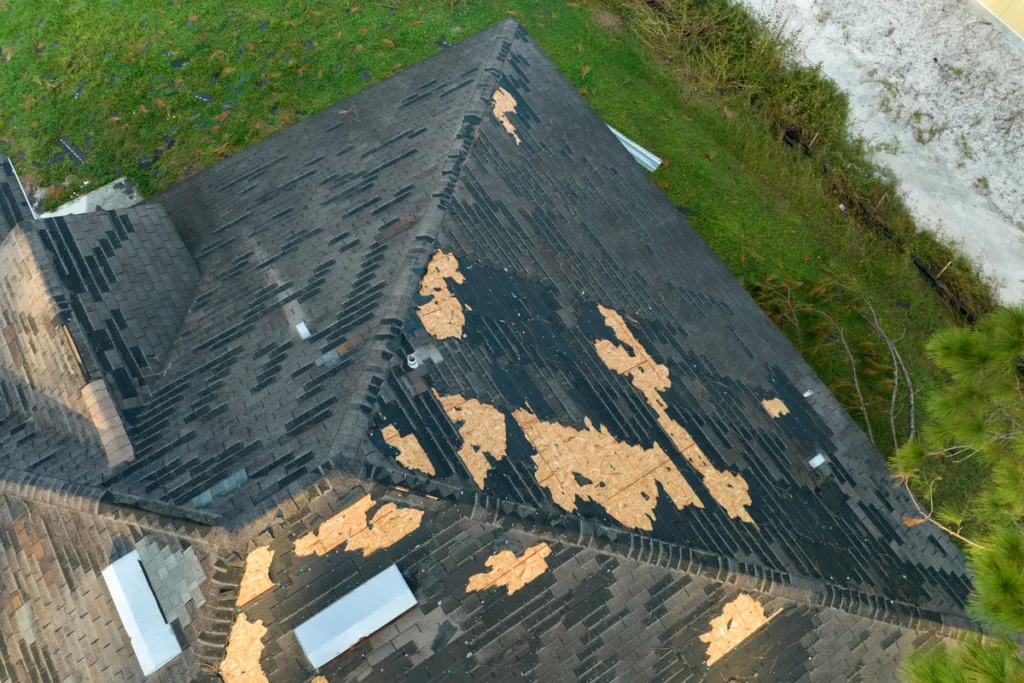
[[152, 638], [359, 614]]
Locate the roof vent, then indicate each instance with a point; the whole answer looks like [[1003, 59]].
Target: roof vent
[[152, 638], [359, 614]]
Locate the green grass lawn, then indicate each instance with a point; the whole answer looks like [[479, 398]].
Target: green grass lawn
[[154, 89]]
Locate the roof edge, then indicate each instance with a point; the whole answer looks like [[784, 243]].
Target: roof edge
[[579, 532]]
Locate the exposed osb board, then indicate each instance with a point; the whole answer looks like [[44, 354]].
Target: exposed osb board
[[242, 656], [350, 526], [651, 378], [389, 525], [442, 316], [410, 452], [621, 477], [738, 621], [508, 570], [256, 580], [482, 428], [503, 104], [336, 530], [775, 407]]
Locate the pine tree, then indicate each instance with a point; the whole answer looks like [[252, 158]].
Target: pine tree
[[978, 414]]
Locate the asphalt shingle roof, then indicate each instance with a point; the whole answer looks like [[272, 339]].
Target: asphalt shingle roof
[[514, 337]]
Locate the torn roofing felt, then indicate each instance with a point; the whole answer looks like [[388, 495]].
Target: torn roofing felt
[[499, 302]]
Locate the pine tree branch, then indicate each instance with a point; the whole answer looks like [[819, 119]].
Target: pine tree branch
[[927, 517], [853, 369]]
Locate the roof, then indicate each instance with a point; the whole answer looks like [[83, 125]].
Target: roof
[[521, 363]]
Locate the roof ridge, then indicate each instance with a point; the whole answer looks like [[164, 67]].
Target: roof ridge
[[429, 224], [575, 530], [98, 502]]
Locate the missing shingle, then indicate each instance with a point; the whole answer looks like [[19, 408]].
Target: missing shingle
[[508, 570], [651, 378], [350, 527], [241, 662], [775, 407], [482, 429], [503, 104], [619, 473], [256, 580], [410, 452], [442, 315], [740, 619]]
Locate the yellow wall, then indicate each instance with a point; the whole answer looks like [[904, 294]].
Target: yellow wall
[[1010, 11]]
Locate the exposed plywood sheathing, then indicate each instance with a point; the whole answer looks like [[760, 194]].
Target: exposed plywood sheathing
[[482, 428], [651, 378], [503, 104], [593, 465], [775, 407], [738, 621], [256, 580], [442, 316], [389, 525], [508, 570], [350, 526], [336, 530], [242, 656], [410, 452]]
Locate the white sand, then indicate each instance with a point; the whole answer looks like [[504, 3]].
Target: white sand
[[933, 88]]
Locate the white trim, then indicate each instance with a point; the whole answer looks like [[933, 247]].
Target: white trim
[[23, 193], [642, 156], [152, 638], [358, 614]]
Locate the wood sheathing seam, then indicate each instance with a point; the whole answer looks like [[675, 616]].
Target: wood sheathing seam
[[410, 452], [740, 619], [350, 526], [651, 378], [508, 570], [482, 429], [592, 465], [442, 316], [242, 656], [775, 407], [503, 104], [256, 579]]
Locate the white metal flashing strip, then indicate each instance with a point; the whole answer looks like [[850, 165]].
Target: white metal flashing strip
[[152, 638], [359, 614], [23, 193], [642, 156]]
